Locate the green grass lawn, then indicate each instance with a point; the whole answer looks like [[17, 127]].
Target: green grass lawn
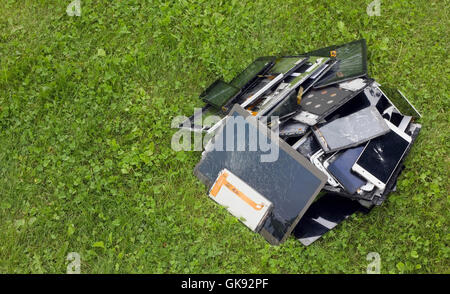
[[86, 105]]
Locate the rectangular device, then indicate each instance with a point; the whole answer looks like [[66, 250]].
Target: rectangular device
[[324, 215], [351, 62], [385, 97], [317, 104], [241, 200], [289, 85], [274, 169], [283, 67], [307, 145], [251, 72], [381, 156], [219, 93], [299, 84], [351, 130], [341, 169]]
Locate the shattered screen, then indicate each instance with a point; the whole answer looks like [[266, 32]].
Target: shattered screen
[[351, 62], [382, 155], [290, 182], [309, 146], [351, 130]]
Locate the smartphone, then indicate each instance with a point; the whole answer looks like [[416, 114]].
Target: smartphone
[[317, 159], [381, 156], [307, 145], [341, 167]]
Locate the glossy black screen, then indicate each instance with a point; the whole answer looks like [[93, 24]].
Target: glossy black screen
[[382, 155]]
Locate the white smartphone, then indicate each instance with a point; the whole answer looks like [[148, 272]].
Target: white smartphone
[[317, 162], [381, 156]]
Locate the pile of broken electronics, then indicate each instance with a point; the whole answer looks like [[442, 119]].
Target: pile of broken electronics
[[340, 139]]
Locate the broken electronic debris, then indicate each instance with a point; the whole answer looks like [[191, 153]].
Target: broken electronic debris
[[240, 199], [281, 101], [289, 181], [381, 156], [341, 169], [219, 93], [282, 68], [323, 215], [318, 103], [335, 130], [351, 62], [292, 128], [351, 130], [249, 75]]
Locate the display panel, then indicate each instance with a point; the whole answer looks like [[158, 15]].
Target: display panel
[[382, 155], [323, 215], [219, 93], [290, 181], [351, 130], [257, 67], [341, 169], [320, 101], [351, 62]]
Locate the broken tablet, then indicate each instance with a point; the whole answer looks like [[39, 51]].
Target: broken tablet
[[351, 130], [273, 168], [246, 78]]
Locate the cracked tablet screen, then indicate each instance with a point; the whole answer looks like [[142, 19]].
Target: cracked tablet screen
[[351, 130], [290, 181]]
